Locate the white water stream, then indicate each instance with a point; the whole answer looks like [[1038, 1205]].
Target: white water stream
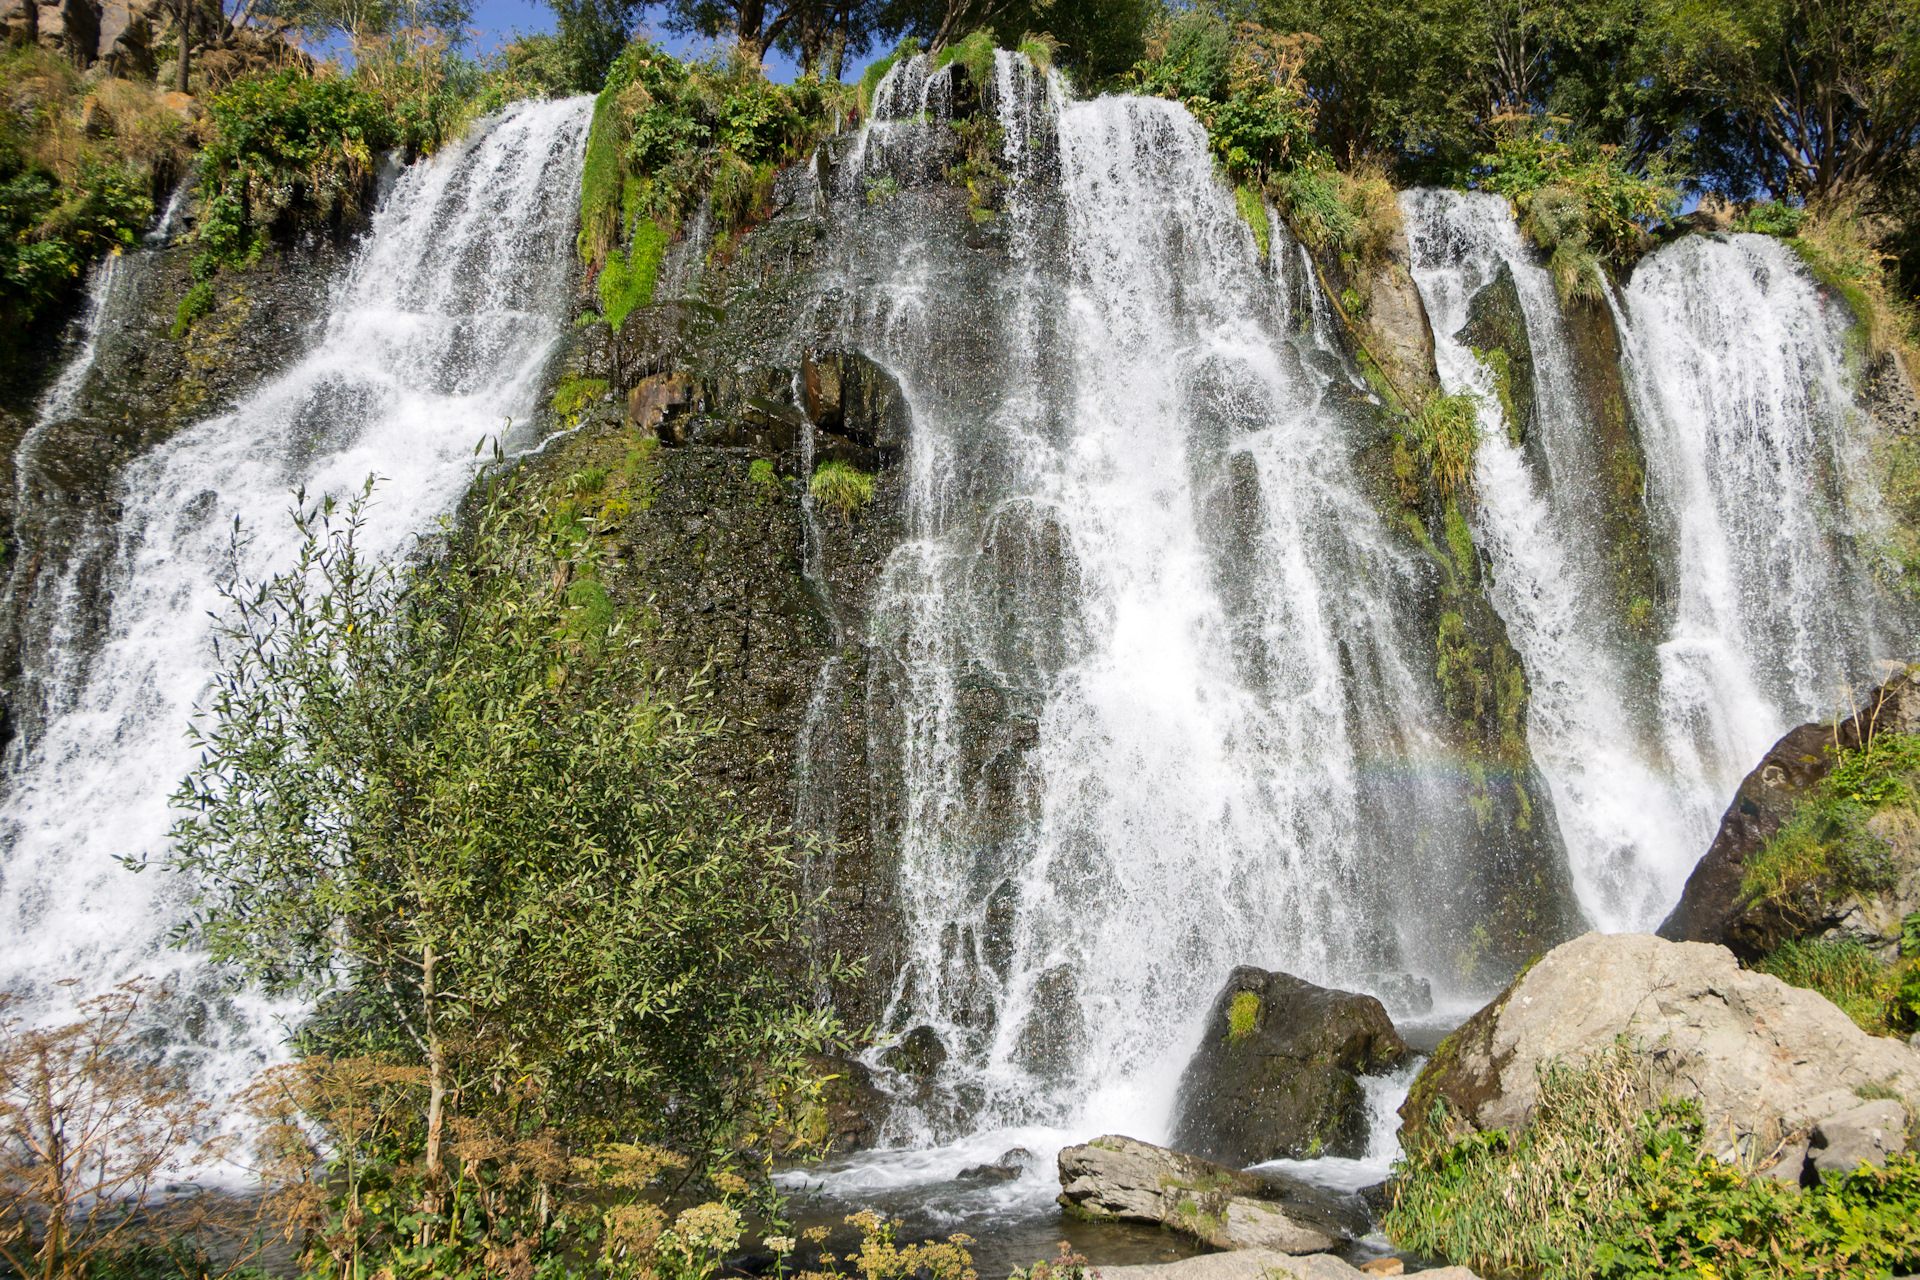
[[436, 338], [1735, 362]]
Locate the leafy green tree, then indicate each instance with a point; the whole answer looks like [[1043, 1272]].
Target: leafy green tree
[[1812, 98], [1401, 77], [451, 795]]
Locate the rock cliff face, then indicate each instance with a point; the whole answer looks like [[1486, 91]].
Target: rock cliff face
[[124, 37]]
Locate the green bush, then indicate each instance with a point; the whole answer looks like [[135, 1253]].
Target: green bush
[[1772, 218], [194, 303], [1579, 202], [1242, 82], [1609, 1181], [1445, 435], [1826, 845]]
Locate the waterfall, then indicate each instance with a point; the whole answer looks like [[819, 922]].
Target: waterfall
[[436, 338], [1736, 374], [1630, 838], [1143, 673], [1756, 467]]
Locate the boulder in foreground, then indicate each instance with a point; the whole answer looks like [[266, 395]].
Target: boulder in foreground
[[1277, 1071], [1115, 1178], [1766, 1061], [1261, 1264]]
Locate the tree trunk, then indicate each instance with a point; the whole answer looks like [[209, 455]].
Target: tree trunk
[[436, 1083], [186, 43], [837, 56]]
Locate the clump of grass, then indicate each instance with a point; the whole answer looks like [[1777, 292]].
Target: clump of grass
[[841, 486], [764, 482], [1242, 1015], [1844, 972], [1839, 248], [1445, 434], [194, 303], [1253, 208], [1504, 1202], [575, 396]]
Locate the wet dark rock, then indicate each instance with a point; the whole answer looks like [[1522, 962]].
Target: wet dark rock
[[1115, 1178], [919, 1054], [846, 394], [847, 1113], [1713, 908], [1055, 1031], [990, 1173], [1277, 1072], [1403, 994]]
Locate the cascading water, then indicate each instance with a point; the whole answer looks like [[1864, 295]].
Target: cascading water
[[436, 338], [1629, 836], [1736, 368], [1756, 469], [1144, 675]]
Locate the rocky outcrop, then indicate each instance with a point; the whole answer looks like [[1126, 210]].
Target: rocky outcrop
[[1713, 908], [1765, 1061], [1401, 336], [1121, 1179], [1277, 1071], [1264, 1264], [122, 37], [1839, 1144]]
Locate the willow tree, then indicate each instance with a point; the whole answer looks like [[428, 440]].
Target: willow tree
[[452, 795]]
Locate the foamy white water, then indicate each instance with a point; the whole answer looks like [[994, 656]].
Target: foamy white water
[[436, 338]]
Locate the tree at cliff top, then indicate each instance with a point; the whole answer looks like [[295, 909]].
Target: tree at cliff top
[[450, 799], [1811, 98]]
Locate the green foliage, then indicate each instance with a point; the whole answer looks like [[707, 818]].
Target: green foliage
[[1242, 82], [627, 279], [1578, 202], [763, 480], [881, 189], [1241, 1016], [1772, 218], [1835, 841], [67, 197], [194, 303], [978, 169], [1610, 1181], [975, 53], [1844, 972], [574, 396], [285, 143], [841, 486], [1445, 435], [1253, 209], [453, 795]]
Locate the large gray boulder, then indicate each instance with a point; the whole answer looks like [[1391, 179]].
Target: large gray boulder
[[1261, 1264], [1766, 1061], [1277, 1071], [1119, 1179]]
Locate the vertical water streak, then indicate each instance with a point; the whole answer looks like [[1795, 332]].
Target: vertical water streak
[[1144, 643], [1630, 836], [436, 338], [1737, 363]]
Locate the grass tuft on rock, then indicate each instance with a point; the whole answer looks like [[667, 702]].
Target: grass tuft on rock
[[841, 486]]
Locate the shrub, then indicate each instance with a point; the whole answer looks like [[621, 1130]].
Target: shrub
[[1578, 201], [1772, 218], [1242, 82], [452, 795], [841, 486], [1827, 845], [1609, 1181]]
